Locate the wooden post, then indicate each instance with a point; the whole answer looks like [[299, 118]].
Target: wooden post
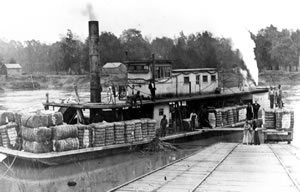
[[153, 70], [176, 86], [190, 88]]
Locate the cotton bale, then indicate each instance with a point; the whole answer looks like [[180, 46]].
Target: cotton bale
[[39, 134], [64, 131], [37, 147], [66, 144]]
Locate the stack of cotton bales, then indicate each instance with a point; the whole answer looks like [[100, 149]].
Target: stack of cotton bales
[[230, 118], [286, 119], [65, 138], [219, 121], [151, 128], [278, 118], [99, 134], [144, 128], [9, 131], [242, 112], [85, 135], [36, 129], [269, 119], [129, 131], [109, 134], [138, 130], [119, 132]]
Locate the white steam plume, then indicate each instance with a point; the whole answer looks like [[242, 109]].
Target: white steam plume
[[89, 11]]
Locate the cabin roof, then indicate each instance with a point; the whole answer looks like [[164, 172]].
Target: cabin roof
[[194, 70], [13, 66], [112, 64], [148, 62]]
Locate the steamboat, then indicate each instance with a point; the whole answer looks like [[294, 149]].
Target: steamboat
[[151, 89]]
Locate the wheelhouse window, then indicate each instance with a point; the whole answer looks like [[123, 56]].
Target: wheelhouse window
[[197, 79], [186, 80], [213, 78], [204, 79], [138, 68], [161, 112], [162, 71]]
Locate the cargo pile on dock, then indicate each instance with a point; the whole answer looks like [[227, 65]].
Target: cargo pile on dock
[[44, 131], [227, 116], [278, 119]]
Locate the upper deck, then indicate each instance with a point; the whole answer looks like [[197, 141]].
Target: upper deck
[[234, 92]]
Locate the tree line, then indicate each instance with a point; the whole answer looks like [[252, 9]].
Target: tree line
[[196, 50], [277, 50]]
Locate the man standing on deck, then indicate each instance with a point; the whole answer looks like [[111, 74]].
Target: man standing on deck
[[163, 126], [255, 107], [152, 90], [279, 97], [193, 117], [271, 97]]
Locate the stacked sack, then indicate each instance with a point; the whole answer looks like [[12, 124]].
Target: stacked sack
[[119, 132], [109, 134], [138, 130], [35, 130], [230, 118], [278, 119], [99, 134], [212, 119], [224, 117], [219, 120], [287, 121], [85, 135], [144, 128], [269, 119], [242, 112], [129, 131], [65, 138], [151, 128], [235, 115], [9, 131]]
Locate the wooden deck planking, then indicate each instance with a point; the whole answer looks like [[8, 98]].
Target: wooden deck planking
[[248, 168], [290, 158], [184, 174]]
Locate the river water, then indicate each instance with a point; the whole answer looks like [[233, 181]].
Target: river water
[[104, 173]]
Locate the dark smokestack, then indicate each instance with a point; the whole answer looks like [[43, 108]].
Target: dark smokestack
[[94, 59]]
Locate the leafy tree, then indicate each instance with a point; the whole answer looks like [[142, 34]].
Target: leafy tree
[[71, 49], [162, 47], [110, 48], [134, 43]]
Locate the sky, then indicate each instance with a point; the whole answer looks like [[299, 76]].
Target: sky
[[48, 20]]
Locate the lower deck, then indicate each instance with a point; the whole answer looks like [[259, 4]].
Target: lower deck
[[226, 167]]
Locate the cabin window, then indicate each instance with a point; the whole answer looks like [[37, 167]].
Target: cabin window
[[213, 78], [205, 79], [197, 79], [161, 112], [138, 68], [162, 71], [186, 80]]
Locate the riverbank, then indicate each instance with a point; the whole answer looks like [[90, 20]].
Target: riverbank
[[272, 78], [45, 82]]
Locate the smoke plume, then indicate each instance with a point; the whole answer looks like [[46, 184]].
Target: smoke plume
[[89, 11]]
